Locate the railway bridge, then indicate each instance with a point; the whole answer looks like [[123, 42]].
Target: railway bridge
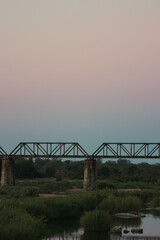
[[73, 150]]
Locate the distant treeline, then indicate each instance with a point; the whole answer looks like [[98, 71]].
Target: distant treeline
[[45, 168]]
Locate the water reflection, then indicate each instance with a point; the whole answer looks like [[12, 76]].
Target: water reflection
[[70, 230], [84, 236], [63, 228], [156, 214], [95, 236], [125, 222]]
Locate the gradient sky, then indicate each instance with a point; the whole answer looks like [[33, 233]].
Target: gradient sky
[[79, 70]]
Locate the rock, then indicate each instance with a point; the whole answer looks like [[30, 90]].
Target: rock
[[132, 212], [136, 230], [157, 208], [126, 215], [148, 209], [126, 231], [138, 214], [116, 229], [142, 215], [153, 208]]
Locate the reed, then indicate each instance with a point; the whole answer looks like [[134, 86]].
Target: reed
[[96, 221], [114, 204], [155, 202]]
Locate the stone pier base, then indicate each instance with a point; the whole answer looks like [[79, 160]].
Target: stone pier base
[[7, 174], [89, 174]]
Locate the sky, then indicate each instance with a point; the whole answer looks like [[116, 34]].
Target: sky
[[84, 71]]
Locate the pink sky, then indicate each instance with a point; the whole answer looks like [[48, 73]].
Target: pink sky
[[85, 71]]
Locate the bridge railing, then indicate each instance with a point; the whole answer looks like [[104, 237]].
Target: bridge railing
[[50, 149], [128, 150]]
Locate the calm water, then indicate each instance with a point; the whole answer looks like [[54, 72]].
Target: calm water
[[70, 230]]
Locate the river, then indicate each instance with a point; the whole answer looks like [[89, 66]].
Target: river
[[71, 230]]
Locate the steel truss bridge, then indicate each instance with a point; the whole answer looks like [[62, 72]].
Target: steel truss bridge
[[50, 149], [128, 150], [75, 150]]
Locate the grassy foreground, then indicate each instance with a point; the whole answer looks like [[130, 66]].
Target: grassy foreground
[[24, 215]]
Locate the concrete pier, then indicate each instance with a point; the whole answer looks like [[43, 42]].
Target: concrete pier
[[7, 173], [89, 174]]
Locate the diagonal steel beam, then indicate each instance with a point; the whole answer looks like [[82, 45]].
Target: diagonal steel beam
[[2, 152]]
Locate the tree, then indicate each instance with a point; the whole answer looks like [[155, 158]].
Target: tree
[[25, 169]]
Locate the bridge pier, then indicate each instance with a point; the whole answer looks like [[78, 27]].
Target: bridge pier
[[7, 173], [89, 182]]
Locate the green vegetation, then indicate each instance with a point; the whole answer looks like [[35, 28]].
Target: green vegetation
[[16, 224], [96, 221], [155, 202], [18, 192], [105, 184], [110, 174], [26, 207], [68, 207], [45, 168], [54, 208], [36, 212], [114, 204], [146, 195], [34, 187]]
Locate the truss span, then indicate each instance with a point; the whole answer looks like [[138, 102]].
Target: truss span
[[128, 150], [49, 149], [75, 150]]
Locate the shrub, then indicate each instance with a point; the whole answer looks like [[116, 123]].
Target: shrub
[[56, 186], [17, 224], [18, 192], [96, 221], [104, 185], [54, 208], [70, 206]]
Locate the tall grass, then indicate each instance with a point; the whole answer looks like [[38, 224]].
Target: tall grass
[[70, 206], [146, 195], [53, 208], [18, 192], [114, 204], [74, 205], [16, 224], [155, 202], [49, 185], [96, 221]]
